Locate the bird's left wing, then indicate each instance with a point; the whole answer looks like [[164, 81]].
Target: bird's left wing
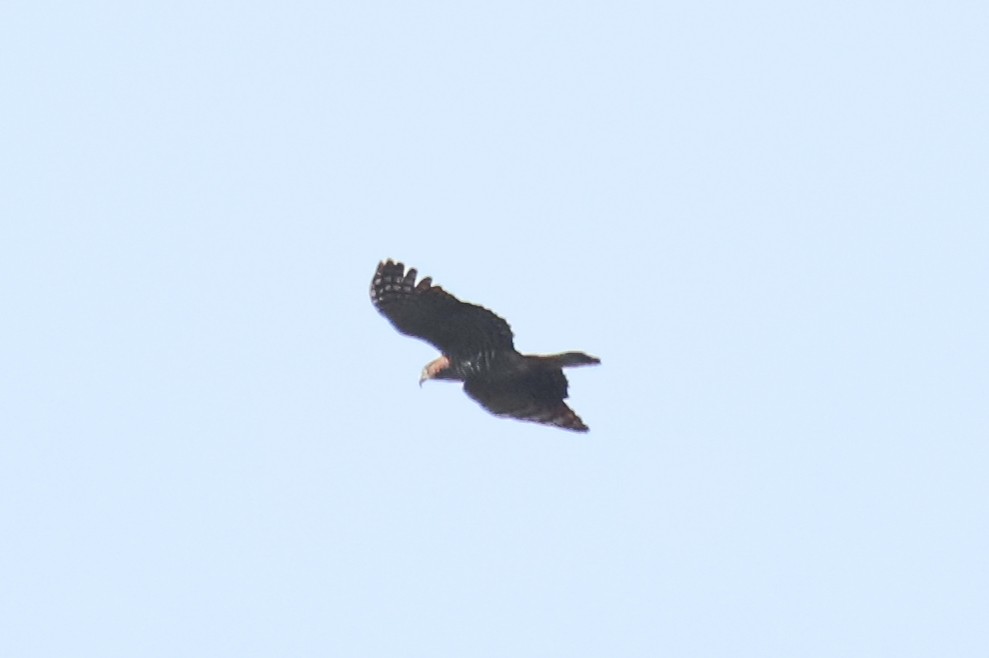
[[428, 312]]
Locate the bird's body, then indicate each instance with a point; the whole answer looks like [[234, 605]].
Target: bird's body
[[478, 349]]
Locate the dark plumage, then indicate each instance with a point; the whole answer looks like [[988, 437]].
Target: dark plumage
[[477, 349]]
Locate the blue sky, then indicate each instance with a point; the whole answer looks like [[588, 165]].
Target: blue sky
[[768, 219]]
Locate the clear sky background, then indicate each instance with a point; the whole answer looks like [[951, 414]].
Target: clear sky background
[[770, 220]]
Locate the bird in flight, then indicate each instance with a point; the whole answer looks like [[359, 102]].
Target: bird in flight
[[477, 349]]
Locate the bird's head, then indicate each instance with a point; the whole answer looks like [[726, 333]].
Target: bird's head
[[435, 369]]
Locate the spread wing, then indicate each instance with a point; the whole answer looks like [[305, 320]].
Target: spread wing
[[428, 312], [535, 395]]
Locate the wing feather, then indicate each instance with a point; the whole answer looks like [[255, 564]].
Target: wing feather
[[432, 314], [534, 395]]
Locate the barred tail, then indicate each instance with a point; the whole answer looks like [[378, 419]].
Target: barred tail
[[570, 359]]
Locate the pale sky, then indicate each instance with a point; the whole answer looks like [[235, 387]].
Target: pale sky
[[770, 220]]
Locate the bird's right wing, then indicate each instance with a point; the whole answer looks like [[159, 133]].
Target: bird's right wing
[[535, 396]]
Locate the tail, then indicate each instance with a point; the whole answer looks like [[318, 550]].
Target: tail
[[570, 359]]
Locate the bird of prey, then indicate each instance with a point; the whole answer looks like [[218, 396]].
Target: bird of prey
[[477, 349]]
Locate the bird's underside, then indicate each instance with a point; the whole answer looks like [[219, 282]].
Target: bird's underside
[[477, 348]]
